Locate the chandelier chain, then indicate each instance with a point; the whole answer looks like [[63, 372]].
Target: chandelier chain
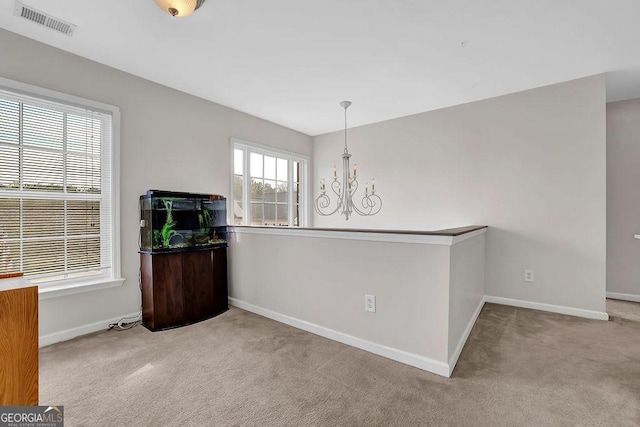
[[345, 129]]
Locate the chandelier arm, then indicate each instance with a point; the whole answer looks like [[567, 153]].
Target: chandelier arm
[[335, 187], [323, 202], [372, 203]]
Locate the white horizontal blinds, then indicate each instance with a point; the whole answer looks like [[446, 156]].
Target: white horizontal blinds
[[55, 163], [9, 144]]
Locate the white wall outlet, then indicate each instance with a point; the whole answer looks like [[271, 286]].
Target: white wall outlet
[[528, 276], [370, 303]]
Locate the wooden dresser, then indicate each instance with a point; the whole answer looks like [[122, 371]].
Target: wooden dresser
[[18, 341]]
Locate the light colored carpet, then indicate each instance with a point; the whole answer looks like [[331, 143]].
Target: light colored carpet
[[519, 367]]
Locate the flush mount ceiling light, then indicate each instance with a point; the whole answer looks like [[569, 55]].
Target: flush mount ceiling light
[[179, 8]]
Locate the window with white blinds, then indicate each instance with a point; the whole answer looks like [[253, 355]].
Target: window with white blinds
[[56, 206]]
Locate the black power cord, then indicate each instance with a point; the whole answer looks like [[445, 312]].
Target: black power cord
[[127, 322]]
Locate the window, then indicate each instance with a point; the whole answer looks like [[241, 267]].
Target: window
[[58, 217], [267, 186]]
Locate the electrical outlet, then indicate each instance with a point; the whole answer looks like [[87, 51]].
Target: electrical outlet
[[528, 276], [370, 303]]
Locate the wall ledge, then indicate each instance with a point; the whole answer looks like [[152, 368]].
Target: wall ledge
[[48, 292], [368, 235], [401, 356]]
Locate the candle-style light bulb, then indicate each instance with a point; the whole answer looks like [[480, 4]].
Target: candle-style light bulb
[[373, 185], [335, 171], [366, 188], [355, 169]]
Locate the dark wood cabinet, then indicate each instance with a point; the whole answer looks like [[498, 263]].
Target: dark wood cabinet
[[180, 288]]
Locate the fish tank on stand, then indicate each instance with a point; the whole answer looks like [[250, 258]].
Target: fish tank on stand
[[183, 258]]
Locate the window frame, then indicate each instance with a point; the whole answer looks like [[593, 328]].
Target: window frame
[[265, 150], [112, 279]]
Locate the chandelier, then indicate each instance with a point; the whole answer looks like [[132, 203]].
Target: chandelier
[[345, 190]]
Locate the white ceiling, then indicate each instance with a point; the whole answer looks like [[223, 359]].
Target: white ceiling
[[293, 61]]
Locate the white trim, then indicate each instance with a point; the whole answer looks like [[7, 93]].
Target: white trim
[[265, 149], [77, 288], [571, 311], [55, 96], [424, 239], [68, 334], [453, 360], [116, 260], [401, 356], [623, 297]]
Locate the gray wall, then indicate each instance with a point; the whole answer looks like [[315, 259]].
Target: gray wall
[[530, 165], [169, 140], [623, 199]]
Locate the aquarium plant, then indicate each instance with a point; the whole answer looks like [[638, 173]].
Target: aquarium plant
[[167, 231], [204, 220]]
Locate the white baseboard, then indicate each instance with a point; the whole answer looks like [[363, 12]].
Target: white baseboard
[[68, 334], [589, 314], [402, 356], [624, 297], [465, 335]]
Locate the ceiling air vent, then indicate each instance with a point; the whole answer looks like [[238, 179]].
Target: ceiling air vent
[[44, 19]]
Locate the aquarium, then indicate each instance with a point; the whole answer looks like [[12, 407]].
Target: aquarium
[[173, 221]]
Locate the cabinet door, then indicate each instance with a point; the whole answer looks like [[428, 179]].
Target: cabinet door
[[146, 283], [221, 302], [167, 291], [197, 280]]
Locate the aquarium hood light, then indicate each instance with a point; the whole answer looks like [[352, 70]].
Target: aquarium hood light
[[179, 8]]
